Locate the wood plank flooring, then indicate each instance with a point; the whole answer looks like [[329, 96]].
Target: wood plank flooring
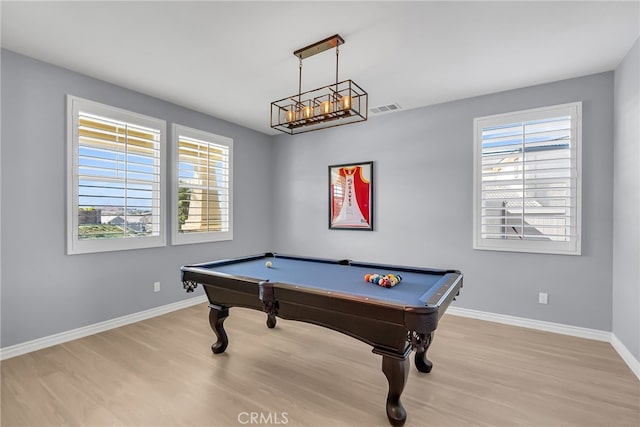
[[161, 372]]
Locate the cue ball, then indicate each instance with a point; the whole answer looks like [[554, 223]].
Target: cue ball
[[268, 264]]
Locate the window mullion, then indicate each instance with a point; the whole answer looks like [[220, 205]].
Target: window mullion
[[126, 180], [206, 209], [523, 179]]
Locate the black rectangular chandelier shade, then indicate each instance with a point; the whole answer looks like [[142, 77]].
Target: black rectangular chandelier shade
[[336, 104], [333, 105]]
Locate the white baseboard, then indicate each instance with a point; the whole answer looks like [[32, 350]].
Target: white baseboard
[[51, 340], [574, 331], [626, 355]]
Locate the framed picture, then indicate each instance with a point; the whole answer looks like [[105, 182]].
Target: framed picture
[[351, 196]]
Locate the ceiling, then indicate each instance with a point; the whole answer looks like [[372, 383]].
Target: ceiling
[[231, 59]]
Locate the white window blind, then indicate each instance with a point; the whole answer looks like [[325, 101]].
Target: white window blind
[[527, 181], [203, 186], [115, 179]]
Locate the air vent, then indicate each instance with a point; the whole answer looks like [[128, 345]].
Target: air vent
[[383, 109]]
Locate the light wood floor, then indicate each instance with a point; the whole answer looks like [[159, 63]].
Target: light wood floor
[[161, 372]]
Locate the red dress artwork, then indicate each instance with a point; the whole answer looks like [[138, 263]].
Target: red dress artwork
[[351, 198]]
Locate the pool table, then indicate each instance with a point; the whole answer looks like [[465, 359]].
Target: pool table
[[334, 294]]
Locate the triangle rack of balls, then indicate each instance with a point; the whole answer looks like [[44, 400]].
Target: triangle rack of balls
[[384, 280]]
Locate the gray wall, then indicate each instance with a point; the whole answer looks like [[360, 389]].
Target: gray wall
[[423, 202], [45, 291], [626, 199], [423, 205]]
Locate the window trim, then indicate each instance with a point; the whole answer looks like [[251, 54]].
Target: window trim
[[178, 238], [572, 247], [74, 245]]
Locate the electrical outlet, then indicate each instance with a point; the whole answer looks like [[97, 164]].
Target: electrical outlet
[[543, 298], [156, 286]]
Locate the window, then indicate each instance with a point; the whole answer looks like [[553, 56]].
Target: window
[[527, 180], [115, 192], [203, 209]]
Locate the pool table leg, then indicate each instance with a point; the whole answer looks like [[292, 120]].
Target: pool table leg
[[271, 321], [396, 369], [271, 308], [217, 316], [421, 343]]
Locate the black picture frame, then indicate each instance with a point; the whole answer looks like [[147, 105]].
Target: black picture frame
[[351, 196]]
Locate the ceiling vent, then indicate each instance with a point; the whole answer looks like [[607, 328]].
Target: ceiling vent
[[383, 109]]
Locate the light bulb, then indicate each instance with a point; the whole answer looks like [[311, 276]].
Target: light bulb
[[345, 102], [307, 112], [291, 116], [325, 107]]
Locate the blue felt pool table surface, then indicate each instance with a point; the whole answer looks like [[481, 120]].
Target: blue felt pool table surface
[[415, 289]]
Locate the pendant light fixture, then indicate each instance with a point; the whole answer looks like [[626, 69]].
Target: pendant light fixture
[[337, 104]]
